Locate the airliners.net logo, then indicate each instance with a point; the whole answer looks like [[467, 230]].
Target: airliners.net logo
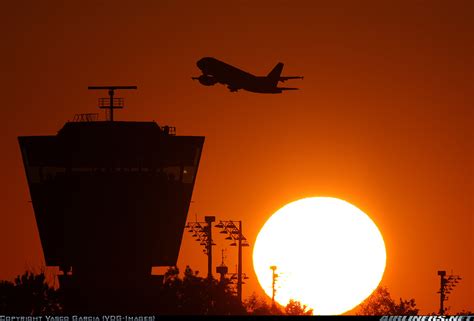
[[427, 318]]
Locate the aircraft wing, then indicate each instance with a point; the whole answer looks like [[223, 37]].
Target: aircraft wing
[[232, 88], [283, 79]]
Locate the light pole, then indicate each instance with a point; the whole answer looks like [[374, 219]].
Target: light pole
[[209, 220], [274, 278], [235, 234], [203, 234], [446, 286]]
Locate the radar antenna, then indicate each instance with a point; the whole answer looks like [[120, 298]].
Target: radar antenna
[[111, 103]]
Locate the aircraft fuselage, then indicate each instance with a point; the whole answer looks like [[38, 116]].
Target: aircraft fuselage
[[215, 71]]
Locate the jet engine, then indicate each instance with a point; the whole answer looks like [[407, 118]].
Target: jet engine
[[207, 80]]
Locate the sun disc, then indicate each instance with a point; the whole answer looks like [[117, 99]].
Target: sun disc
[[329, 254]]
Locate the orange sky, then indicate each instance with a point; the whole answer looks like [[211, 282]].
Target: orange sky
[[384, 118]]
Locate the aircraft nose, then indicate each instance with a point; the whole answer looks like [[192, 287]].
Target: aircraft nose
[[200, 63]]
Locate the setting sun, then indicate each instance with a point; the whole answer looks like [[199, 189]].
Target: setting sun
[[328, 254]]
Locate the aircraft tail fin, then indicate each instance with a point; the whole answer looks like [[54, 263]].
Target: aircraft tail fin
[[274, 75]]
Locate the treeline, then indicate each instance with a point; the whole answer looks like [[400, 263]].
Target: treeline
[[30, 294]]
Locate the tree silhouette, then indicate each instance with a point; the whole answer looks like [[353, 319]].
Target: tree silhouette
[[196, 295], [29, 294], [465, 312], [381, 303], [257, 305], [296, 308]]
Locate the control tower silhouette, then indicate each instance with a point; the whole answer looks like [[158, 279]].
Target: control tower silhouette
[[110, 200]]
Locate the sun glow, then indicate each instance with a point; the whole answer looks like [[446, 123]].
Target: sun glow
[[329, 254]]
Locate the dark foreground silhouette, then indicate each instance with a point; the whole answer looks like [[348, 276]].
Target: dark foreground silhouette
[[110, 200], [190, 294], [215, 71], [29, 294], [380, 302]]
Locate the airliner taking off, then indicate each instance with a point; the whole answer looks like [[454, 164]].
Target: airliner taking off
[[215, 71]]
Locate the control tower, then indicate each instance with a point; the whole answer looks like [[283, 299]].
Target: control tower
[[110, 200]]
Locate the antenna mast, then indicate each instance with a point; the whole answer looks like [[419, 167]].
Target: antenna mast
[[111, 103]]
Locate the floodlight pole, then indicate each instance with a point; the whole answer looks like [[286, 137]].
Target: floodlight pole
[[441, 291], [446, 286], [239, 269], [209, 220], [236, 235], [204, 235]]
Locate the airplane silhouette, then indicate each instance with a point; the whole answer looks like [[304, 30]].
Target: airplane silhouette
[[215, 71]]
